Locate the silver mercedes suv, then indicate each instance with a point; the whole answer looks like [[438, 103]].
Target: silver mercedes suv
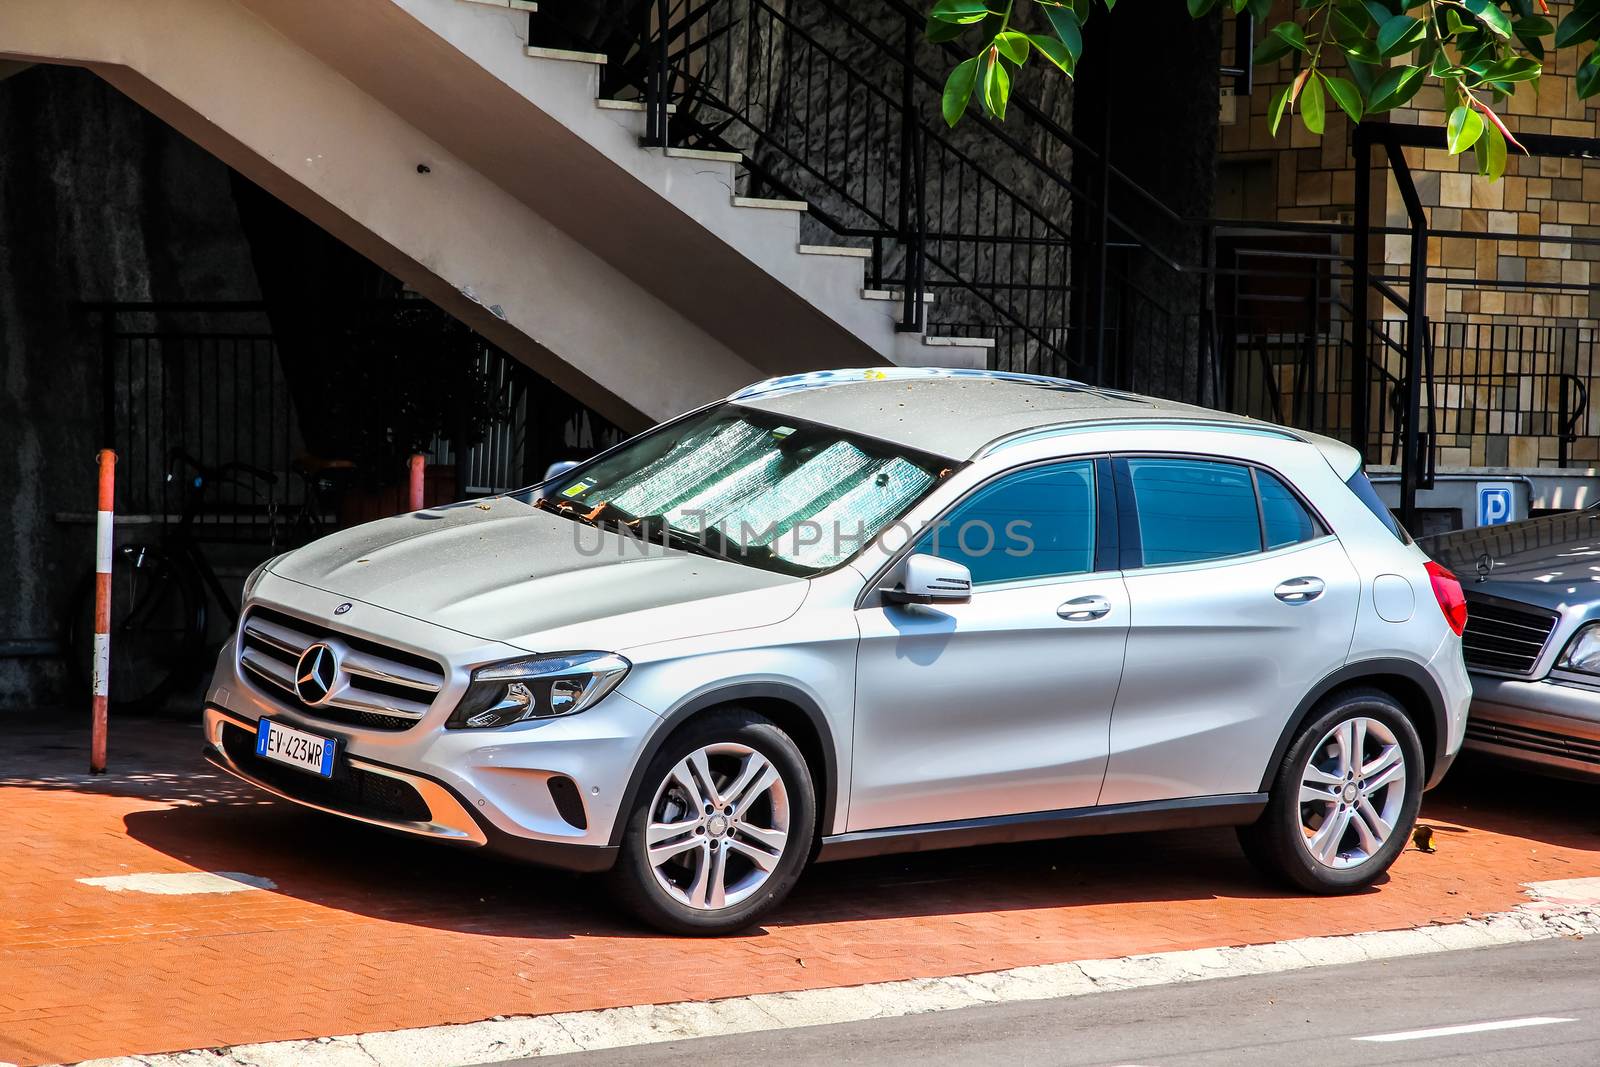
[[858, 612]]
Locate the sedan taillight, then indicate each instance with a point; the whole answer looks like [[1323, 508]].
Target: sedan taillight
[[1447, 590]]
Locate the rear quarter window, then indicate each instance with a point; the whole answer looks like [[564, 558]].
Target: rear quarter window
[[1362, 488]]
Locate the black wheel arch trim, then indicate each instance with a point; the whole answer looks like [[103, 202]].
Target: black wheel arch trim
[[1353, 674], [733, 694]]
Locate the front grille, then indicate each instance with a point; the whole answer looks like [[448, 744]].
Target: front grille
[[1542, 742], [1505, 639], [377, 687], [351, 790]]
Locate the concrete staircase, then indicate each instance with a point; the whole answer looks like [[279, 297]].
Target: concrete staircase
[[428, 135]]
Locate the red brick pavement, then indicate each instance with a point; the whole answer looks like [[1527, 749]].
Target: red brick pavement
[[372, 932]]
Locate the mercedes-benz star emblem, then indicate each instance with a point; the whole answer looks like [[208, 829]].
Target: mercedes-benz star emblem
[[342, 608], [1484, 565], [315, 674]]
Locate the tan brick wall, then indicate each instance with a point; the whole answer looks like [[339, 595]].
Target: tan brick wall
[[1514, 340]]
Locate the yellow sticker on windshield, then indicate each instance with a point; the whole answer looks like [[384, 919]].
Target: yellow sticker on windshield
[[575, 488]]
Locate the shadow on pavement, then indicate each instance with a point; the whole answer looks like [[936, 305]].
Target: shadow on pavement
[[212, 822]]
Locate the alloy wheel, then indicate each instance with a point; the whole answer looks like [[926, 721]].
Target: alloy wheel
[[718, 826], [1352, 793]]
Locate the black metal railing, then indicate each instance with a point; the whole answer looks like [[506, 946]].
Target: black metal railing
[[221, 383]]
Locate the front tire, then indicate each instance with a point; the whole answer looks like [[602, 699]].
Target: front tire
[[1345, 797], [721, 827]]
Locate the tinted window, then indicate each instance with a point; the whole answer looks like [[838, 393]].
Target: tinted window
[[1369, 496], [1038, 523], [1191, 510], [1284, 518]]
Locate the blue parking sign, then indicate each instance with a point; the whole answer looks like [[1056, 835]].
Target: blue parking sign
[[1494, 503]]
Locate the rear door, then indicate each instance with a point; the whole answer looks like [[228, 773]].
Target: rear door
[[1240, 601]]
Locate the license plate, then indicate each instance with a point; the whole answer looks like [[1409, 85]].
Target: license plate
[[285, 744]]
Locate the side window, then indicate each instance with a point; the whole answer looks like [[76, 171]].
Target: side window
[[1192, 510], [1037, 523], [1284, 519]]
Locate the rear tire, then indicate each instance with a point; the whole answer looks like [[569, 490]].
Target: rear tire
[[721, 827], [1335, 823]]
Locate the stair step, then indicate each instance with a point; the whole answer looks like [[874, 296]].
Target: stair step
[[891, 294], [705, 153], [771, 205], [958, 342], [835, 250], [630, 105], [514, 5], [535, 52]]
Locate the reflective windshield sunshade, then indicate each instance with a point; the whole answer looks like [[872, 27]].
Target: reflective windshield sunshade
[[810, 485], [684, 469], [730, 489], [882, 492]]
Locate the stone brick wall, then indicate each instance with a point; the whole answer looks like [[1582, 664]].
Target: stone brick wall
[[1531, 312]]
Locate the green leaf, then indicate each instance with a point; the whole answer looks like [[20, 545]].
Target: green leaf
[[1012, 45], [1582, 25], [1379, 12], [1068, 27], [1492, 153], [1259, 10], [1345, 94], [1589, 76], [1532, 27], [1347, 30], [958, 90], [1293, 34], [1271, 49], [996, 84], [1110, 4], [1463, 129], [1488, 12], [1201, 8], [1513, 69], [1280, 101], [1398, 85], [939, 32], [960, 11], [1365, 75], [1054, 51], [1402, 33], [1313, 112]]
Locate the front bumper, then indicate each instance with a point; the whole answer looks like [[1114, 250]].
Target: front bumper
[[1541, 724], [406, 801], [550, 790]]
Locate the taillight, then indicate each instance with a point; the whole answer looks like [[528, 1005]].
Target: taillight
[[1447, 591]]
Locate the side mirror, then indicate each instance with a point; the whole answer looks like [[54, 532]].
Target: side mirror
[[928, 579]]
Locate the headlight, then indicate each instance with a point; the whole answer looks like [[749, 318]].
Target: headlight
[[541, 687], [1583, 651], [255, 577]]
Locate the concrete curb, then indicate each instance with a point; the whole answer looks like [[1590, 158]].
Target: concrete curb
[[1561, 909]]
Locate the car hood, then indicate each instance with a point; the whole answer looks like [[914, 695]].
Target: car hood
[[505, 571], [1552, 561]]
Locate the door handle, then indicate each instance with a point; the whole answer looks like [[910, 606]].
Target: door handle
[[1300, 590], [1084, 609]]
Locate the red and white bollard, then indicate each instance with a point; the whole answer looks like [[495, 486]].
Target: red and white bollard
[[414, 498], [104, 537]]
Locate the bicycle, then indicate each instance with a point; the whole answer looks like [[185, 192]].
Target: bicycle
[[159, 607]]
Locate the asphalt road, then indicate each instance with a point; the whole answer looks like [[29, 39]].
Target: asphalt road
[[1325, 1015]]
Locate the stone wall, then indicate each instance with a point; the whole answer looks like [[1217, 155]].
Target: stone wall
[[98, 201], [1505, 343]]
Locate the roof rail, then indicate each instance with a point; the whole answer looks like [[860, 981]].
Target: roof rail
[[1136, 422]]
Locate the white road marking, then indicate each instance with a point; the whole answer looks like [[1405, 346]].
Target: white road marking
[[517, 1037], [1464, 1028], [184, 884]]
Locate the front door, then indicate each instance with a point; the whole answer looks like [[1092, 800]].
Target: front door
[[1000, 705]]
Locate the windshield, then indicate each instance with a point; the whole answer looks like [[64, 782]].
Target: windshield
[[755, 488]]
